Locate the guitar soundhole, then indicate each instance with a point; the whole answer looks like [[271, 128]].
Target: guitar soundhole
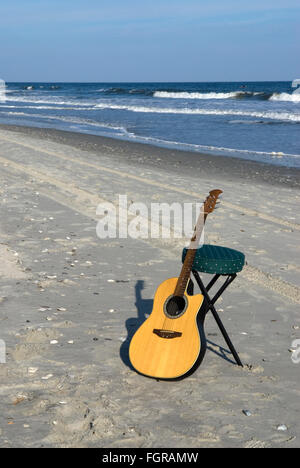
[[175, 306]]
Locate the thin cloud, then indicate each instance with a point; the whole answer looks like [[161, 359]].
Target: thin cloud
[[79, 11]]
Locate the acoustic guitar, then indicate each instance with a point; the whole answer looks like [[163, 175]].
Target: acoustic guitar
[[171, 342]]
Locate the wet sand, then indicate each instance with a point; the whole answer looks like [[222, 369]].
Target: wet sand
[[69, 302]]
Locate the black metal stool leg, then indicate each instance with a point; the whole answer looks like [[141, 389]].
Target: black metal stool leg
[[210, 306], [212, 282], [226, 336], [190, 288]]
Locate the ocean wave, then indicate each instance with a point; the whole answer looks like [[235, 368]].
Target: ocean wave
[[182, 94], [295, 97], [187, 95], [34, 87], [73, 120], [86, 125], [82, 106], [46, 101], [15, 113], [131, 135], [114, 91], [49, 107], [210, 95], [120, 91], [287, 116], [255, 122], [198, 147]]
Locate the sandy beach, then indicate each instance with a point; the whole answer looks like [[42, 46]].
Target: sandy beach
[[69, 301]]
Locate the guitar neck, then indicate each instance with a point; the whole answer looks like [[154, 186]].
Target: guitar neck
[[185, 273], [208, 207]]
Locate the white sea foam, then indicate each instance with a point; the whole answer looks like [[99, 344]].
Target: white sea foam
[[53, 108], [285, 116], [295, 97], [73, 120], [282, 116], [186, 95], [273, 154], [46, 101], [15, 113]]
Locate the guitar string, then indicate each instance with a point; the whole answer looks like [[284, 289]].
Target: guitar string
[[167, 320], [183, 280]]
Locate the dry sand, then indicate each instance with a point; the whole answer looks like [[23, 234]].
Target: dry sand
[[67, 381]]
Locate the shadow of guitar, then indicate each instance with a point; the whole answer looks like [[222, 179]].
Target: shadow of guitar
[[144, 309]]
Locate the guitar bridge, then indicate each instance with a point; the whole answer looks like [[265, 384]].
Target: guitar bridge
[[169, 334]]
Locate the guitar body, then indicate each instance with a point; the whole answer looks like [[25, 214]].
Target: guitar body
[[170, 342]]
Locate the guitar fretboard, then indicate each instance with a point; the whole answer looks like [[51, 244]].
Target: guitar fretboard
[[209, 206], [185, 273]]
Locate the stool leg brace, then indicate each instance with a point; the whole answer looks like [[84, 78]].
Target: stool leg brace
[[209, 305]]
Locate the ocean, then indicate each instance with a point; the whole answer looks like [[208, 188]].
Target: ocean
[[257, 121]]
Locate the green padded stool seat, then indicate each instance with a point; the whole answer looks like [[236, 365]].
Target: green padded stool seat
[[217, 260]]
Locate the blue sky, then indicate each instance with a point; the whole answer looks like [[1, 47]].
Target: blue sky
[[157, 40]]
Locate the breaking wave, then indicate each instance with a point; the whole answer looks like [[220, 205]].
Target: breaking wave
[[273, 154], [211, 95], [185, 95], [165, 110], [70, 120], [54, 102], [295, 97]]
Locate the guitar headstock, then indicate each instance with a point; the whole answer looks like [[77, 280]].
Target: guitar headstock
[[208, 207], [211, 200]]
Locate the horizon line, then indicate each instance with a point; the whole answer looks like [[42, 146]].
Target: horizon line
[[149, 82]]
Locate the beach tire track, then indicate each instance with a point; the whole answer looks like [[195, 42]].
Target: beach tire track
[[85, 203], [268, 281], [122, 174]]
